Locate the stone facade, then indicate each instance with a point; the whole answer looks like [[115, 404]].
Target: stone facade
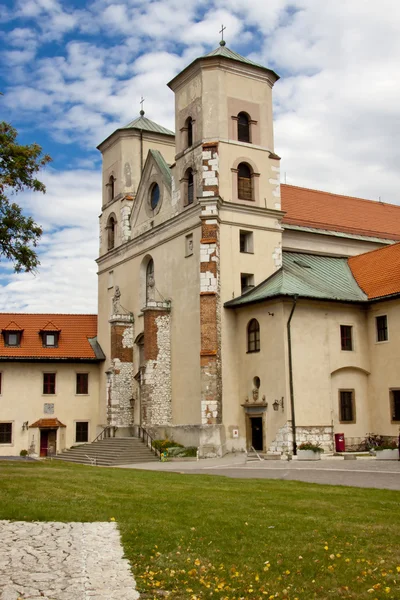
[[318, 434], [155, 389], [120, 401]]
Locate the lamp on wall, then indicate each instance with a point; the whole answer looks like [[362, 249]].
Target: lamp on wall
[[25, 425], [278, 403]]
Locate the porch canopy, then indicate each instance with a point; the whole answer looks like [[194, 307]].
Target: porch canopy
[[47, 424]]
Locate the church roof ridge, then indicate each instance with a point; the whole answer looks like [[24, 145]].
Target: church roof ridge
[[146, 124], [223, 50]]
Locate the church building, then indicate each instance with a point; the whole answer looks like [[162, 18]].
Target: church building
[[235, 312]]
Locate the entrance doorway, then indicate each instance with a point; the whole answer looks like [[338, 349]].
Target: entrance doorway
[[48, 442], [257, 434]]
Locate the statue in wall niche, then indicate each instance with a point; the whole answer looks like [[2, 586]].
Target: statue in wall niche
[[255, 394], [116, 301], [150, 282], [128, 175]]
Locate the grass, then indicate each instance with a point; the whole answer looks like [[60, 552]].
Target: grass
[[201, 537]]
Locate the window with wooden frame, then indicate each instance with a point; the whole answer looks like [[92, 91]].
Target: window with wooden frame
[[82, 431], [82, 383], [347, 413], [243, 122], [346, 337], [395, 406], [49, 383], [245, 182], [253, 336], [111, 227], [381, 328], [5, 433], [12, 338]]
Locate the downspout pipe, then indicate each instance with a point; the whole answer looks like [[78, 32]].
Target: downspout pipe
[[289, 338]]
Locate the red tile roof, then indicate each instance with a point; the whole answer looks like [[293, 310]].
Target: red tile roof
[[73, 342], [47, 424], [378, 272], [332, 212]]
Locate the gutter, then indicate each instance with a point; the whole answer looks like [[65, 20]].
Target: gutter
[[291, 375]]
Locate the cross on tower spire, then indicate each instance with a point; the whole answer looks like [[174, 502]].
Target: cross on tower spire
[[141, 105], [222, 42]]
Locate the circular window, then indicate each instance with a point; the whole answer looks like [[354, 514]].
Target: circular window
[[154, 196]]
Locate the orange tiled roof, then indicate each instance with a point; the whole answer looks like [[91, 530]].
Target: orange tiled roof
[[47, 424], [12, 326], [332, 212], [378, 272], [75, 331]]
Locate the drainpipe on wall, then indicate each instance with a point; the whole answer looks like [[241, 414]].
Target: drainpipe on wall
[[291, 375]]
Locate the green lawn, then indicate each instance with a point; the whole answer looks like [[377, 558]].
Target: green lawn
[[213, 537]]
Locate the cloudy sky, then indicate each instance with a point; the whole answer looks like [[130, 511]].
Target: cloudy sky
[[72, 71]]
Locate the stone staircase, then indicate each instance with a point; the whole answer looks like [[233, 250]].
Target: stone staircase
[[109, 452]]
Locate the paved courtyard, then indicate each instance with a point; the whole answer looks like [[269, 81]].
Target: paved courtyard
[[63, 561], [364, 472]]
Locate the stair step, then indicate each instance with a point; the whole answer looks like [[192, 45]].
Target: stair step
[[109, 452]]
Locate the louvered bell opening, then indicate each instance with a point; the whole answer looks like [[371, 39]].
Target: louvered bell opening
[[190, 195], [243, 128], [245, 187]]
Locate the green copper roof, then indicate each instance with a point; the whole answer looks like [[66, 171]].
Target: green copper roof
[[228, 53], [160, 160], [308, 276], [147, 125]]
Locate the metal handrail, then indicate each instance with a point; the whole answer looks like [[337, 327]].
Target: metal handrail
[[146, 438], [252, 449], [102, 435]]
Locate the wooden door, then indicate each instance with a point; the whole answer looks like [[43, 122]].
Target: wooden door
[[257, 435], [44, 438]]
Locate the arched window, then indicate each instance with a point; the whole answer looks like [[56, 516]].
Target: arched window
[[245, 183], [243, 127], [189, 127], [111, 226], [253, 336], [111, 187], [154, 196], [150, 283], [190, 186]]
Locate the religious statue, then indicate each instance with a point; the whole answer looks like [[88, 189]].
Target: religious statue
[[255, 394], [116, 301]]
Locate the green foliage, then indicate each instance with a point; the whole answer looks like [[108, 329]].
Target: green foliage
[[387, 445], [163, 445], [23, 453], [310, 446], [19, 234]]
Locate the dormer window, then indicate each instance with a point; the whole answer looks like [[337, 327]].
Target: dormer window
[[50, 340], [12, 338]]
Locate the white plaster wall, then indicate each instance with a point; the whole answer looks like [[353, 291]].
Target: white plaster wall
[[22, 400]]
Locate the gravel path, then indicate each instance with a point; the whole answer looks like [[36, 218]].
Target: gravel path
[[63, 561]]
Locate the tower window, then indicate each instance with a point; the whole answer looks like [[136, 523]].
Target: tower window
[[245, 184], [246, 241], [243, 122], [111, 187], [346, 337], [253, 338], [111, 225], [189, 128], [190, 186], [154, 196], [246, 282]]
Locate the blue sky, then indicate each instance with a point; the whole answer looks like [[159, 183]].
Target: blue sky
[[72, 72]]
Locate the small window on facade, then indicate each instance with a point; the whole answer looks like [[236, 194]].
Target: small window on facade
[[82, 383], [245, 185], [346, 337], [189, 127], [12, 338], [395, 405], [111, 232], [346, 406], [243, 127], [190, 186], [111, 187], [150, 282], [154, 196], [82, 431], [49, 383], [5, 433], [246, 241], [246, 282], [381, 328], [253, 336]]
